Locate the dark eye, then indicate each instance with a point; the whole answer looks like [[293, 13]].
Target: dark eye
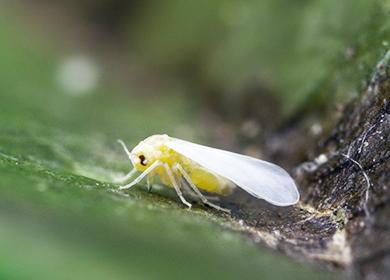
[[142, 160]]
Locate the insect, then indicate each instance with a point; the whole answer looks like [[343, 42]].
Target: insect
[[187, 166]]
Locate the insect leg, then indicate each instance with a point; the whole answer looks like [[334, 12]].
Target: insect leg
[[197, 191], [150, 181], [126, 177], [176, 185], [140, 177], [191, 192], [186, 189]]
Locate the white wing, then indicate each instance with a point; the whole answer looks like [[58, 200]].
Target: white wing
[[257, 177]]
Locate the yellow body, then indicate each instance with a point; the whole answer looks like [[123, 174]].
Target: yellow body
[[154, 148]]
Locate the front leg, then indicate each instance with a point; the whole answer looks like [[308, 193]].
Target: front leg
[[125, 178], [140, 177]]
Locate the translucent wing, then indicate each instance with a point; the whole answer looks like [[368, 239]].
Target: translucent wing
[[257, 177]]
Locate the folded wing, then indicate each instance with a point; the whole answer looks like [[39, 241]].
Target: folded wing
[[259, 178]]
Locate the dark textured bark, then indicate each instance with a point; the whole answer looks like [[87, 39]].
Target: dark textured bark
[[356, 176], [343, 218]]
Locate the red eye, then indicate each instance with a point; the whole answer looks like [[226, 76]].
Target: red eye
[[142, 160]]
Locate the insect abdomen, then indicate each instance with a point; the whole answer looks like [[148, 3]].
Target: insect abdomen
[[209, 182]]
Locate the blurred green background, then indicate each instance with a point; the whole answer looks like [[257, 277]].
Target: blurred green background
[[77, 75]]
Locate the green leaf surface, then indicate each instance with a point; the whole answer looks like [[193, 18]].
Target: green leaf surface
[[60, 215]]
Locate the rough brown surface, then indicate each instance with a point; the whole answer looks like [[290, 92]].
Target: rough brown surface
[[343, 218]]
